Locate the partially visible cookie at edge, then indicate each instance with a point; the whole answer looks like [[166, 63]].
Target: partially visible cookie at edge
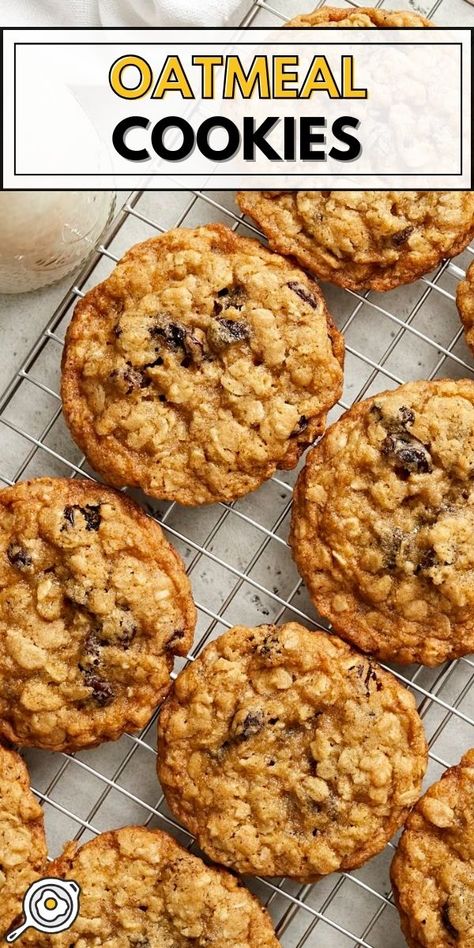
[[383, 523], [95, 604], [22, 839], [200, 366], [433, 868], [140, 888], [325, 17], [359, 240], [465, 304], [286, 752]]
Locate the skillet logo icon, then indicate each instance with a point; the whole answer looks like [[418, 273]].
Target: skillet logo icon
[[50, 906]]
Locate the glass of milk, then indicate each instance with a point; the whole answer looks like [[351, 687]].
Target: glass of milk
[[46, 234]]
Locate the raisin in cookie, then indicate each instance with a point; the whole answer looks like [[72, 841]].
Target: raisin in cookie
[[287, 753], [140, 889], [383, 523], [364, 239], [94, 604], [22, 840], [201, 365], [433, 868], [465, 301], [360, 17]]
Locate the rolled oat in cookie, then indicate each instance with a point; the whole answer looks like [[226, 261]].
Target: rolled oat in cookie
[[325, 17], [22, 839], [94, 605], [373, 240], [465, 303], [141, 889], [383, 523], [189, 371], [433, 868], [285, 752]]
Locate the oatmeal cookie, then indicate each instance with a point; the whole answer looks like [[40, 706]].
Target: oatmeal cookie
[[373, 240], [94, 604], [360, 17], [140, 889], [287, 753], [201, 365], [383, 523], [22, 840], [433, 868], [465, 302]]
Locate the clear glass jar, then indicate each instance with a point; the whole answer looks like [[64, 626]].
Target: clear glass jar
[[46, 234]]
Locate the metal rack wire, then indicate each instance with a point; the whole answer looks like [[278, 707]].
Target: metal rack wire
[[238, 559]]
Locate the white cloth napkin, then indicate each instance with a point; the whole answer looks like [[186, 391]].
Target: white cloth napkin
[[140, 13], [172, 12]]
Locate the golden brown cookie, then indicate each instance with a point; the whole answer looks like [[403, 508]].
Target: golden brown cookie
[[140, 889], [94, 604], [22, 840], [285, 752], [383, 523], [200, 366], [364, 239], [359, 17], [465, 303], [433, 868]]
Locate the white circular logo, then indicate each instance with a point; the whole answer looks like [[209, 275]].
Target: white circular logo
[[50, 906]]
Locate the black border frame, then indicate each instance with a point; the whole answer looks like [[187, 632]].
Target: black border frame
[[221, 29]]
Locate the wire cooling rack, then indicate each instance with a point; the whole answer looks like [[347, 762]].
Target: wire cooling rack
[[237, 555]]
